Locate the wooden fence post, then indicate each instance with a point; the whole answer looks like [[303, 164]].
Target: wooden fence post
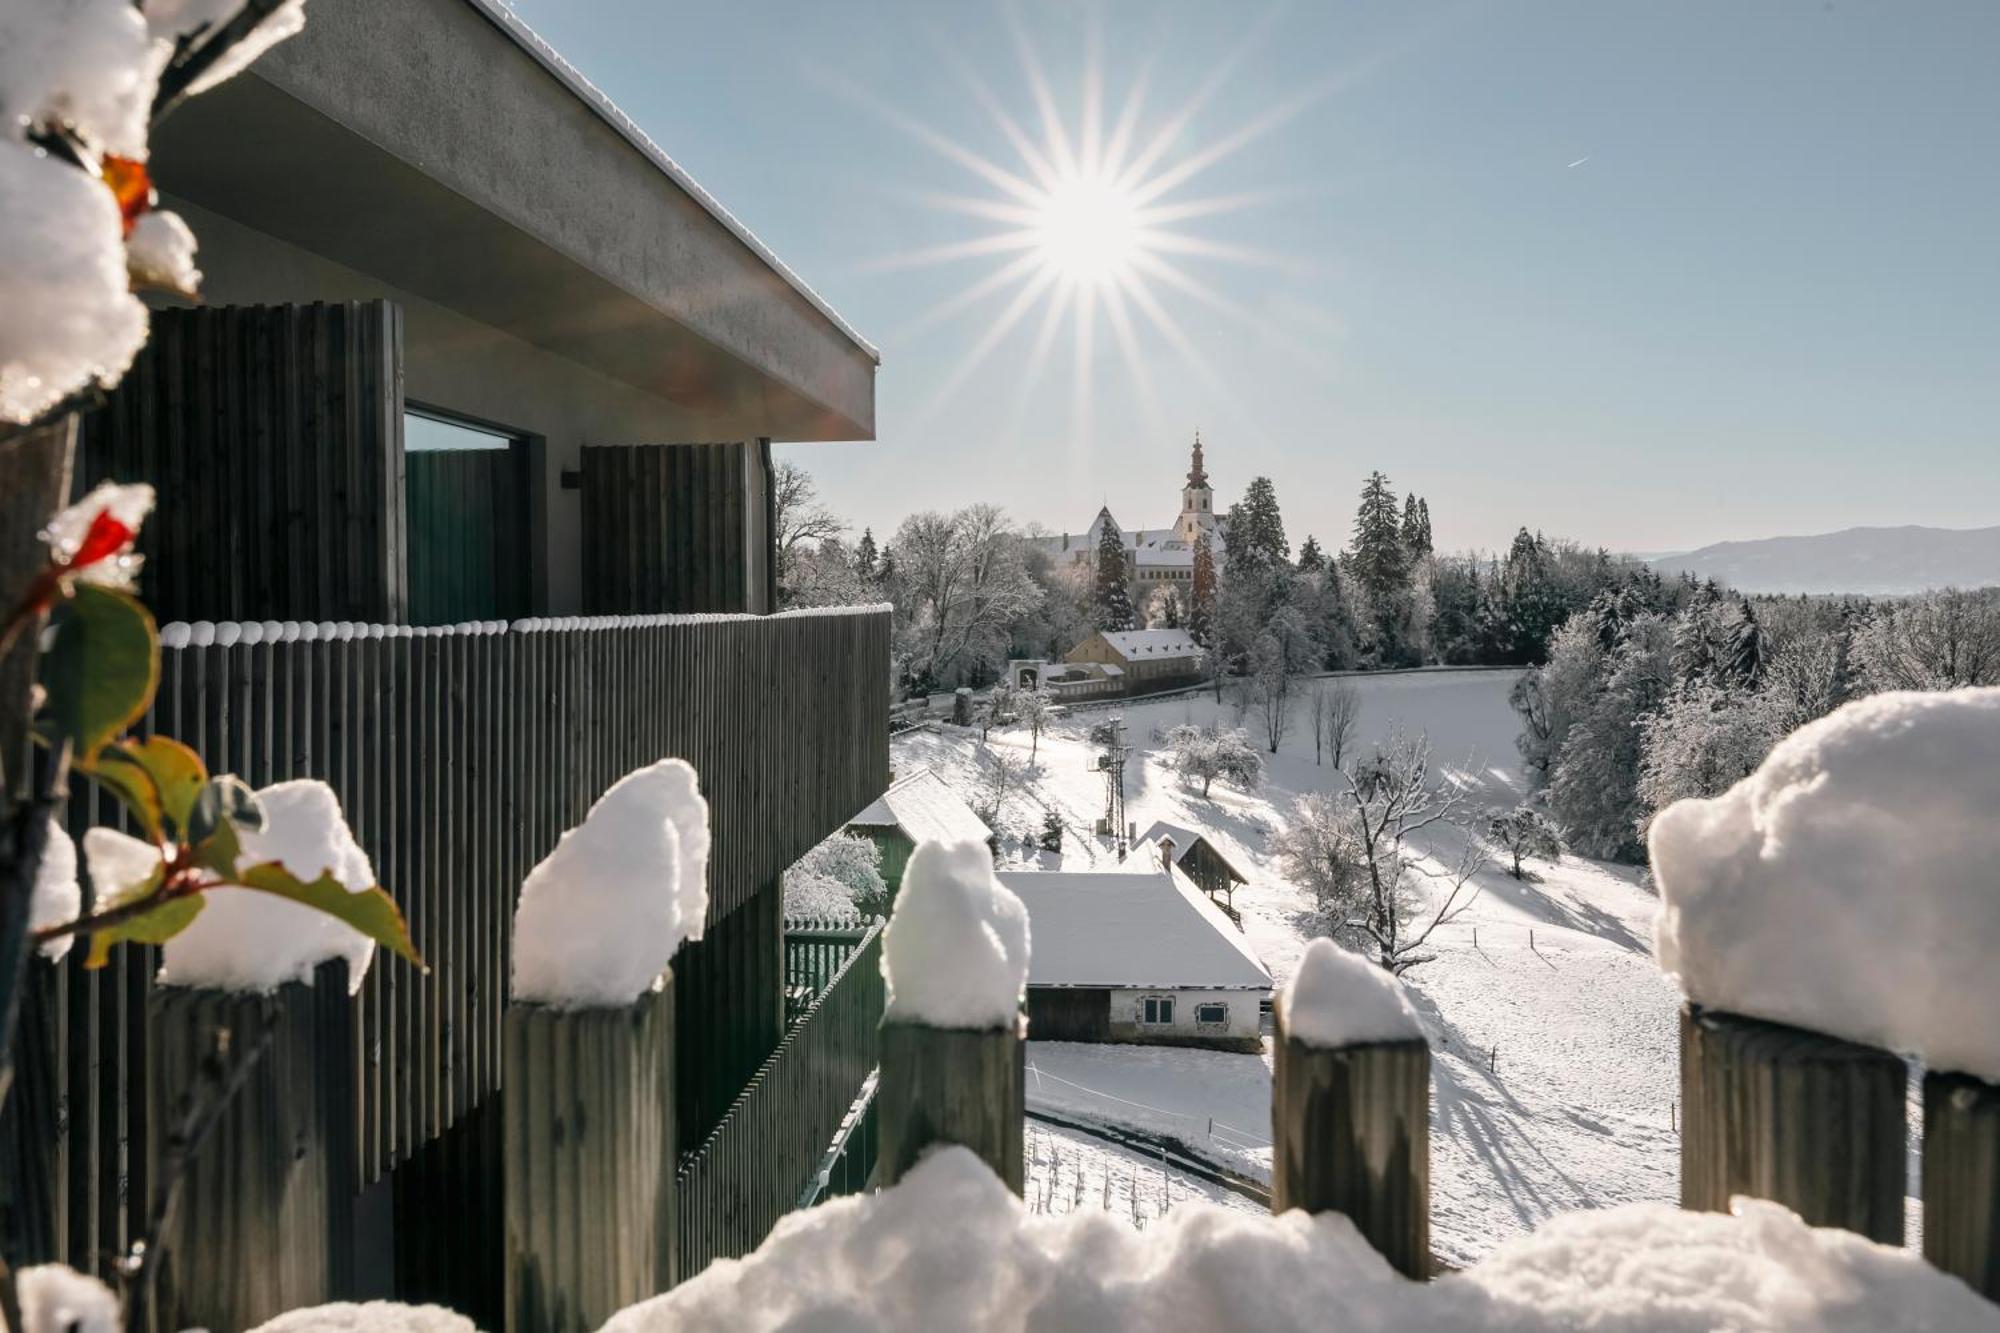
[[589, 1161], [1351, 1133], [1962, 1179], [1807, 1120], [261, 1213], [951, 1085]]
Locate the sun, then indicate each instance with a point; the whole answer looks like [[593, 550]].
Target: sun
[[1088, 230]]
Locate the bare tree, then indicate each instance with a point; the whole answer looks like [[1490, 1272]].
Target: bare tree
[[1001, 775], [1351, 847], [1204, 754], [960, 585], [1523, 832], [1336, 709], [800, 517]]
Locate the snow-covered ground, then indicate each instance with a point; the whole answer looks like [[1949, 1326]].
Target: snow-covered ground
[[1553, 1029], [1069, 1172]]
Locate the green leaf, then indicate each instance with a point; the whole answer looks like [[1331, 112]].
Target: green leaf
[[370, 911], [157, 779], [156, 925], [102, 670]]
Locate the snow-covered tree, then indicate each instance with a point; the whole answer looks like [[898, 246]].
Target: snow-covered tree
[[800, 520], [959, 585], [1034, 709], [866, 556], [1376, 553], [1594, 787], [1279, 658], [1312, 560], [1522, 833], [824, 575], [1113, 601], [1203, 754], [1417, 527], [1001, 774], [1938, 641], [1704, 740], [1254, 537], [1809, 678], [1000, 707], [837, 878], [1351, 847], [1552, 698]]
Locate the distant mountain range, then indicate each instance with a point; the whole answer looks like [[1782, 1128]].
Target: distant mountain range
[[1876, 561]]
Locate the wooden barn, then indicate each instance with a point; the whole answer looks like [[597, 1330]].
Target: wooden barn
[[1137, 957], [917, 808], [1199, 859]]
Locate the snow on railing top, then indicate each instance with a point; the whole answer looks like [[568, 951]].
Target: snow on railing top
[[1847, 885], [951, 1247], [598, 101], [228, 633]]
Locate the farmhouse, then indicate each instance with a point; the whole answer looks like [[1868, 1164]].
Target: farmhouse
[[917, 808], [1144, 659], [1197, 858], [1137, 957]]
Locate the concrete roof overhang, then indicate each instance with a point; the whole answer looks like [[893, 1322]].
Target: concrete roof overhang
[[439, 146]]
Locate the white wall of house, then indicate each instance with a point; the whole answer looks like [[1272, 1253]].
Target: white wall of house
[[1192, 1014]]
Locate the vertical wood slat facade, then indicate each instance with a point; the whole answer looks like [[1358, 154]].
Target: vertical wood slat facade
[[460, 757], [274, 435], [468, 520], [667, 528]]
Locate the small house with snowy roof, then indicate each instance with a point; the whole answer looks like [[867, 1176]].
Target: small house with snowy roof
[[1145, 660], [1137, 956], [1197, 858], [918, 807]]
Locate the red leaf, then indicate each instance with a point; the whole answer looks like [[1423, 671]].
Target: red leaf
[[106, 538], [130, 185]]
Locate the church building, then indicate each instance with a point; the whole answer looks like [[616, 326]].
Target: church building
[[1154, 557]]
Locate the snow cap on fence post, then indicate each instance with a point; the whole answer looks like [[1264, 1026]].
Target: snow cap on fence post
[[601, 916], [1338, 998], [955, 952], [249, 941], [1847, 886]]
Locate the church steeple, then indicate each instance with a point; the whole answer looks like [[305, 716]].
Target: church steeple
[[1197, 475], [1197, 500]]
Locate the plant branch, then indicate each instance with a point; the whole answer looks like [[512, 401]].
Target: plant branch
[[190, 63]]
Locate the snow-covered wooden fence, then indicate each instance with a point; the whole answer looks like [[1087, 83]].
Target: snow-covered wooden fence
[[460, 756], [748, 1172]]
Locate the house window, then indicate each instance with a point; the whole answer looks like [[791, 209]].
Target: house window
[[1216, 1013], [1158, 1010]]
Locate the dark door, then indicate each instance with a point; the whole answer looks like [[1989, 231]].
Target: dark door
[[467, 500]]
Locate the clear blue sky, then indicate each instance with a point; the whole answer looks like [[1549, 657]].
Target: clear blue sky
[[1767, 302]]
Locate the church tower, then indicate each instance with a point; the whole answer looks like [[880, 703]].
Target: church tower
[[1197, 501]]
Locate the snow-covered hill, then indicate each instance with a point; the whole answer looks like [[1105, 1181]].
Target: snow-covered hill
[[1876, 561], [1552, 1026]]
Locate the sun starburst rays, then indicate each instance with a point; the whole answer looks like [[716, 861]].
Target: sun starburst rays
[[1088, 218]]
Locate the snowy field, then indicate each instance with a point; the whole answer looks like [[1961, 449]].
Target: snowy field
[[1553, 1029], [1072, 1172]]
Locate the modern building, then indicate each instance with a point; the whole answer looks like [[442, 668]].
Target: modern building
[[1154, 557], [475, 358], [1139, 957], [1141, 660], [918, 807]]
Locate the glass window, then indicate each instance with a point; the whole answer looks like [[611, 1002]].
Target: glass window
[[428, 434], [1159, 1009], [1211, 1013]]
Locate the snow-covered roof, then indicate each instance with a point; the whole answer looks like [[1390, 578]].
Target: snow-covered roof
[[924, 809], [1131, 930], [1152, 644], [1184, 841]]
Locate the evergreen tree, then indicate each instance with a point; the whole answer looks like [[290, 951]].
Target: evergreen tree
[[865, 554], [1113, 603], [1532, 602], [1201, 606], [1312, 560], [885, 570], [1417, 527], [1377, 555], [1255, 535]]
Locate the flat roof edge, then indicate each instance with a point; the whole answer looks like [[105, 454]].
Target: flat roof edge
[[532, 42]]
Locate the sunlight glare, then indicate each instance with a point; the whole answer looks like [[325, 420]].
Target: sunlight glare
[[1087, 229]]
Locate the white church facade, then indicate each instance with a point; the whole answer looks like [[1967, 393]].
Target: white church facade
[[1154, 557]]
